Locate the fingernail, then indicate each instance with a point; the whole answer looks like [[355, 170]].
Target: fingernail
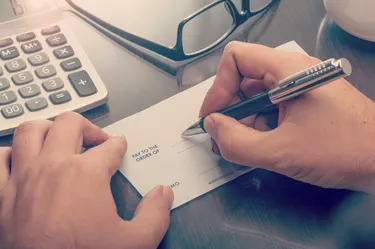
[[168, 195], [155, 192], [215, 148], [209, 126], [215, 151], [165, 192]]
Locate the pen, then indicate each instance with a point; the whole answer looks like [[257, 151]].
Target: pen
[[287, 88]]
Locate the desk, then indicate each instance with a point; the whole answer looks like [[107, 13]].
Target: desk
[[260, 209]]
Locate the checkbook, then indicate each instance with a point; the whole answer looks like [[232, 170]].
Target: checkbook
[[158, 155]]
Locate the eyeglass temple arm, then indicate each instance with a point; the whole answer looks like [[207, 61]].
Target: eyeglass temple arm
[[154, 47], [245, 5], [247, 11]]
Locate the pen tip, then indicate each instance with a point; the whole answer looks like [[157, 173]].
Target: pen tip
[[186, 133], [195, 129], [192, 132]]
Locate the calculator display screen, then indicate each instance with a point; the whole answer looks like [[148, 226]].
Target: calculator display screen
[[13, 9]]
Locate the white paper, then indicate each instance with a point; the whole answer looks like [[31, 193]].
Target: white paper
[[158, 155]]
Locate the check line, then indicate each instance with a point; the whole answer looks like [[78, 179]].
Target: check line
[[208, 170], [192, 146], [182, 141]]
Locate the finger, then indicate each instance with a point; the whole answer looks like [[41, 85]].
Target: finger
[[241, 95], [267, 121], [152, 216], [250, 61], [241, 144], [239, 60], [5, 154], [261, 123], [215, 148], [252, 87], [69, 132], [107, 155], [27, 143], [249, 121]]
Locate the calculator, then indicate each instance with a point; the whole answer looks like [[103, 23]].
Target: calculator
[[44, 72]]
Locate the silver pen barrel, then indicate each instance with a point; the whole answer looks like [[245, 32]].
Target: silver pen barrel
[[310, 79]]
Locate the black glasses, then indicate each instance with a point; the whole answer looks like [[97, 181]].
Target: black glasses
[[189, 44]]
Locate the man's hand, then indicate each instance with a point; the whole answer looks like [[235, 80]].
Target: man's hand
[[325, 137], [52, 196]]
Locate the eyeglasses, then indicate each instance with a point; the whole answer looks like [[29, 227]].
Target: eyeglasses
[[189, 43]]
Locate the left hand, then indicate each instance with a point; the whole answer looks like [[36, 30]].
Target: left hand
[[56, 197]]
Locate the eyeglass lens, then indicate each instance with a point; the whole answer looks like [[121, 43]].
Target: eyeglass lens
[[206, 29]]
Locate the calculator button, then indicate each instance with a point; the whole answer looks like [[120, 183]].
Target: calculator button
[[9, 53], [63, 52], [50, 30], [1, 71], [38, 59], [15, 66], [29, 91], [26, 37], [60, 97], [22, 78], [6, 42], [45, 72], [56, 40], [12, 111], [7, 97], [31, 47], [4, 84], [71, 64], [36, 104], [82, 83], [53, 84]]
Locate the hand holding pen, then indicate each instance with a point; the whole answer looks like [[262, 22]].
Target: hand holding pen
[[288, 88], [319, 137]]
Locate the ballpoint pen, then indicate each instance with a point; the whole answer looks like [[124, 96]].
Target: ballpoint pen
[[287, 88]]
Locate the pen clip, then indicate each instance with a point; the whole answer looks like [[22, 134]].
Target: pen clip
[[305, 73], [310, 79]]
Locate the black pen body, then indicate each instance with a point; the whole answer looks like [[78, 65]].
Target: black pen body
[[246, 108]]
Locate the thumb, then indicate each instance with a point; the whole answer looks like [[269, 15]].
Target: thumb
[[5, 154], [241, 144], [151, 219]]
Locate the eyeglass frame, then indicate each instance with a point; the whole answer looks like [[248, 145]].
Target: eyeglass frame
[[177, 53]]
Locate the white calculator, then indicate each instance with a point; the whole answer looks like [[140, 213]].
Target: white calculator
[[44, 72]]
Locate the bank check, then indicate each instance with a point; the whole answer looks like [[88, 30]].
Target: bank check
[[158, 155]]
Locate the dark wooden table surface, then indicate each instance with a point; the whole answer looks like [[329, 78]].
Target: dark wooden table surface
[[260, 209]]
